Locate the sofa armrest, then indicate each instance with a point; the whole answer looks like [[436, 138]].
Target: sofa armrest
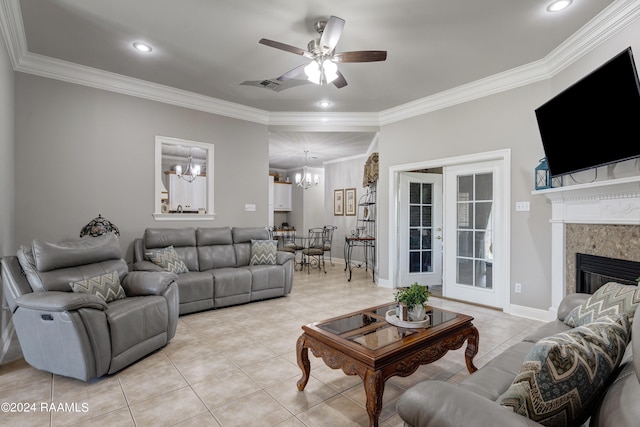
[[146, 266], [569, 302], [282, 257], [141, 283], [441, 404], [60, 301]]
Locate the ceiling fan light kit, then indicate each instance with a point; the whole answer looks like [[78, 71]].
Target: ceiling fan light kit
[[323, 68]]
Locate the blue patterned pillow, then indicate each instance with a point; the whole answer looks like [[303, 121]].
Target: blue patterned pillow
[[168, 259], [610, 299], [263, 252], [564, 374], [106, 286]]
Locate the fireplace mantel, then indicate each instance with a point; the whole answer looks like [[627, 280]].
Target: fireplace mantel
[[614, 201]]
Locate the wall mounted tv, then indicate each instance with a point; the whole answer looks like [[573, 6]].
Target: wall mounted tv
[[595, 121]]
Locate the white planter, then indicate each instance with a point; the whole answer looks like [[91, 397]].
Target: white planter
[[417, 313]]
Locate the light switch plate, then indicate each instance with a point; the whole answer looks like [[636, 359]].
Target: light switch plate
[[249, 207], [522, 206]]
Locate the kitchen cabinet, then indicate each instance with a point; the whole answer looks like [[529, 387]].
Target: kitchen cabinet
[[189, 196], [282, 196]]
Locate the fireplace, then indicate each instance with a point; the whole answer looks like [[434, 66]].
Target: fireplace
[[593, 271], [607, 202]]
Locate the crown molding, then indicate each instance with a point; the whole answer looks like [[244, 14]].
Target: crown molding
[[611, 20], [45, 66], [325, 121]]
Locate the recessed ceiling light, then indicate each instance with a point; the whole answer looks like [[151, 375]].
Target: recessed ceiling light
[[142, 47], [324, 104], [558, 5]]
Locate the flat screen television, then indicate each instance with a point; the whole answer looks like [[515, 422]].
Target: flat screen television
[[594, 122]]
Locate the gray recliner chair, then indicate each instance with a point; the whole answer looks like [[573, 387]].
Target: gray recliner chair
[[80, 334]]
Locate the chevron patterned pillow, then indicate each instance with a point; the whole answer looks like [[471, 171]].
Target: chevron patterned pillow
[[564, 374], [168, 259], [263, 252], [106, 286], [611, 298]]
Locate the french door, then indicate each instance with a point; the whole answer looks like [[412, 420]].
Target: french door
[[473, 211], [420, 229]]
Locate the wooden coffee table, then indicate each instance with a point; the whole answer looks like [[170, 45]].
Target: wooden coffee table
[[363, 343]]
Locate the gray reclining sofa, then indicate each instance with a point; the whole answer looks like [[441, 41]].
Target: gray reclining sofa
[[476, 400], [80, 313], [218, 262]]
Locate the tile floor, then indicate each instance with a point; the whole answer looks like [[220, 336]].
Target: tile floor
[[210, 375]]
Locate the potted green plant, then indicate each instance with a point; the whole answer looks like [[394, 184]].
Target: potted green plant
[[414, 298]]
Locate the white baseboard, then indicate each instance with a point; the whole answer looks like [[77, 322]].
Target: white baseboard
[[532, 313]]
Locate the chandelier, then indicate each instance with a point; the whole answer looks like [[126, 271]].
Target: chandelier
[[191, 172], [303, 179]]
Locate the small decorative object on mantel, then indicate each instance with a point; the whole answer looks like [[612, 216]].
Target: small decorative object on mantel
[[414, 298], [99, 226], [543, 176]]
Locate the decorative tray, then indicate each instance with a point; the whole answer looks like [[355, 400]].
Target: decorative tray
[[396, 321]]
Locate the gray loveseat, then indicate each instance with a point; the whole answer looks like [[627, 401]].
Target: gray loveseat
[[218, 260], [474, 402], [66, 327]]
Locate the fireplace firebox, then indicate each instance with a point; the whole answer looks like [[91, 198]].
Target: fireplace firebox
[[593, 271]]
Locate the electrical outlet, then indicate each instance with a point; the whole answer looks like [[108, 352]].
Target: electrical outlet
[[518, 288]]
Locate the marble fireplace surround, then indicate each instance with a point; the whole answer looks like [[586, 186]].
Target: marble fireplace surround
[[599, 218]]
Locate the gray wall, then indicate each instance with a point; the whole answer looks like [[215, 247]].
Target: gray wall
[[341, 175], [503, 121], [9, 347], [7, 194], [500, 121], [81, 152]]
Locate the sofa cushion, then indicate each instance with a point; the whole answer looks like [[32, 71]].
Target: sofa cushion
[[168, 259], [564, 374], [263, 252], [134, 320], [610, 299], [497, 375], [106, 286], [242, 237], [89, 250]]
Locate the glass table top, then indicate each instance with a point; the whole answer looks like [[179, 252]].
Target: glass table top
[[377, 332]]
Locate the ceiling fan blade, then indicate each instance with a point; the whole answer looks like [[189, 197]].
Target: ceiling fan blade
[[360, 56], [340, 82], [331, 33], [291, 74], [286, 47]]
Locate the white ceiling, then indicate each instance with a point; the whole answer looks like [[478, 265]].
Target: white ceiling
[[210, 47]]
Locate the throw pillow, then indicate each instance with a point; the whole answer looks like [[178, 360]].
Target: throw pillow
[[263, 252], [564, 374], [610, 299], [106, 286], [168, 259]]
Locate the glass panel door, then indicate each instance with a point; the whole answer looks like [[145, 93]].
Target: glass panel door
[[474, 230]]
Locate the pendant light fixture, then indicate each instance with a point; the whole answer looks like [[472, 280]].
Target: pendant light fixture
[[191, 172], [303, 179]]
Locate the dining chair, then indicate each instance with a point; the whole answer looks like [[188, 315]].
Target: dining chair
[[327, 239], [313, 253], [292, 245]]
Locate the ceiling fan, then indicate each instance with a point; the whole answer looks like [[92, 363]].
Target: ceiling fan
[[323, 68]]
